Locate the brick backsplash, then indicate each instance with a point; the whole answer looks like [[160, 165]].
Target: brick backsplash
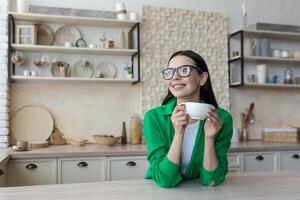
[[4, 87]]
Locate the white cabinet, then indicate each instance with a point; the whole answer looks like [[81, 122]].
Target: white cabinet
[[289, 160], [82, 169], [259, 162], [234, 162], [124, 168], [31, 172], [3, 174]]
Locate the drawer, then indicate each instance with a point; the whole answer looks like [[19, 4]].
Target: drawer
[[81, 169], [259, 162], [31, 172], [2, 174], [290, 161], [234, 170], [234, 160], [124, 168]]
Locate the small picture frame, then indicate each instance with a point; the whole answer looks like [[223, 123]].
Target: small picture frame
[[26, 34]]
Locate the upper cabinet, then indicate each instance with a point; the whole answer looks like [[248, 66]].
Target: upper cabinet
[[268, 59], [51, 47]]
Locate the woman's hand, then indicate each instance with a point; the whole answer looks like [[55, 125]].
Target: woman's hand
[[179, 119], [212, 124]]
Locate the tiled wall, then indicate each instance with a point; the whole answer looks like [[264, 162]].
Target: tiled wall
[[166, 30], [3, 75]]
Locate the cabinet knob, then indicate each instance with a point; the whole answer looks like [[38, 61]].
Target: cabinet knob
[[296, 156], [131, 164], [31, 166], [1, 172], [82, 164], [259, 158]]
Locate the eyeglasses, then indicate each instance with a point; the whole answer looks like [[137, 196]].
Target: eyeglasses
[[182, 71]]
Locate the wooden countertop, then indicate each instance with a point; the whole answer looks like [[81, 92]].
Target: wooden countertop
[[258, 186], [130, 150]]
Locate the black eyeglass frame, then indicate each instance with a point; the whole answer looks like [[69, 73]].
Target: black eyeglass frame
[[198, 69]]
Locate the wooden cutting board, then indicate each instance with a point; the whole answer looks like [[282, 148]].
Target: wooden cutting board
[[31, 123]]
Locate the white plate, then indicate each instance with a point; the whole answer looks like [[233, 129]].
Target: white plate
[[32, 123], [79, 70], [107, 69], [67, 34]]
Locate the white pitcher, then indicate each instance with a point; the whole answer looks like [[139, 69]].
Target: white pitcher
[[250, 45]]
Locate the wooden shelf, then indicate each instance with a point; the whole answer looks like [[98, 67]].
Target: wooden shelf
[[269, 85], [74, 20], [59, 49], [273, 34], [39, 78], [271, 59]]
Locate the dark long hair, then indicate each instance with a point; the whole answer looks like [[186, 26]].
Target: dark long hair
[[206, 91]]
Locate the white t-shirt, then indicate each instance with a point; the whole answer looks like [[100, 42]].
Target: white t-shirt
[[188, 145]]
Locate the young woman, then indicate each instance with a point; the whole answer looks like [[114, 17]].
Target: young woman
[[180, 147]]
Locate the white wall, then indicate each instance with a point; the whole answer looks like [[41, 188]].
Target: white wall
[[272, 11]]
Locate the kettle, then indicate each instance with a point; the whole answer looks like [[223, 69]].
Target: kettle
[[288, 76]]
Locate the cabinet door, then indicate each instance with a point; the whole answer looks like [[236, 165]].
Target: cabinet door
[[2, 174], [234, 170], [31, 172], [123, 168], [290, 161], [234, 160], [80, 170], [259, 162]]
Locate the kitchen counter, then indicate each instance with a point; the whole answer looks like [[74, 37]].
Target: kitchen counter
[[130, 150], [266, 185]]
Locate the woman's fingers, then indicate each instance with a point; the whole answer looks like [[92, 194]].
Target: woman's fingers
[[214, 118]]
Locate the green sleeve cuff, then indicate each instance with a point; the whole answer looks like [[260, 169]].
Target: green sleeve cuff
[[168, 166], [217, 175]]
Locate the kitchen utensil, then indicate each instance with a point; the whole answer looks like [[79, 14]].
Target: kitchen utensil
[[57, 138], [45, 35], [60, 69], [76, 141], [249, 46], [264, 47], [31, 123], [83, 68], [17, 58], [261, 73], [285, 54], [66, 34], [288, 76], [248, 113], [107, 69], [273, 78], [36, 145], [276, 53], [106, 139]]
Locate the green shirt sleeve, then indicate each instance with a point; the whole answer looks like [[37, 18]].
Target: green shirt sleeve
[[164, 172], [222, 145]]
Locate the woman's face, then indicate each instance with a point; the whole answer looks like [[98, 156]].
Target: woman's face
[[185, 87]]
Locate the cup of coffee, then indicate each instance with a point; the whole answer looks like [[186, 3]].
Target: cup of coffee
[[197, 110]]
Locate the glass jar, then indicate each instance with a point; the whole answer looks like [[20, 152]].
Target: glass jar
[[135, 129], [288, 76]]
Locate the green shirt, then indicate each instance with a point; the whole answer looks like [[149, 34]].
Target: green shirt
[[159, 133]]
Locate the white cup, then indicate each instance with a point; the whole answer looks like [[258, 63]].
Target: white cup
[[33, 73], [122, 16], [197, 110], [21, 6], [133, 15], [26, 73], [261, 73], [120, 6], [68, 44]]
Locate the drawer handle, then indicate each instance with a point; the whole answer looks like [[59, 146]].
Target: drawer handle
[[82, 164], [1, 172], [31, 166], [131, 164], [259, 158], [296, 156]]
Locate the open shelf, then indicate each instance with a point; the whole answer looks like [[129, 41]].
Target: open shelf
[[40, 78], [59, 49], [74, 20], [267, 59], [269, 34], [269, 85]]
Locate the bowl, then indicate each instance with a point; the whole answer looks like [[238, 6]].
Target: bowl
[[106, 139]]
